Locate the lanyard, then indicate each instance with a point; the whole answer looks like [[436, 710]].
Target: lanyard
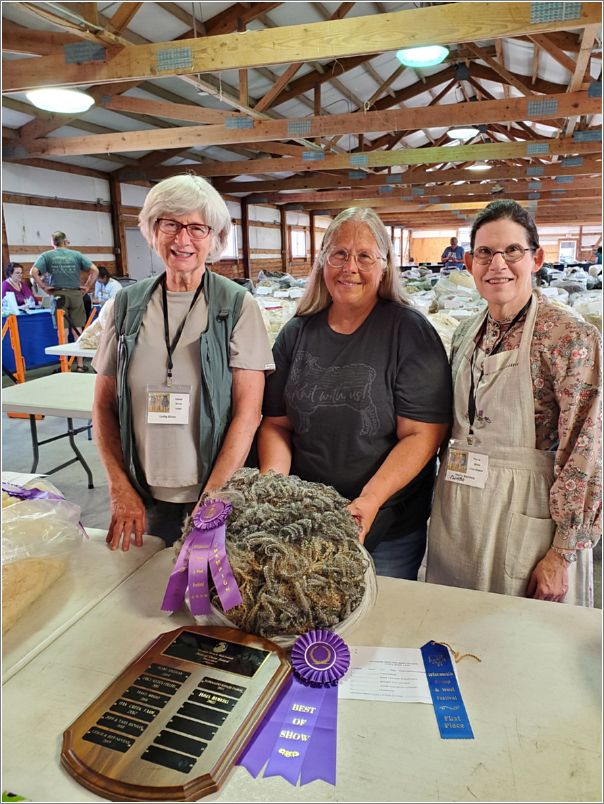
[[494, 350], [171, 347]]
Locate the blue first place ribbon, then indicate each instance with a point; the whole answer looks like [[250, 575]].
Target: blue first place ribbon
[[451, 715]]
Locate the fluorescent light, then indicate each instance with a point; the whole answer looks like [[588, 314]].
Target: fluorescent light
[[65, 101], [462, 133], [479, 166], [422, 56]]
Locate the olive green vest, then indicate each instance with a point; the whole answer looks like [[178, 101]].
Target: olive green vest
[[224, 299]]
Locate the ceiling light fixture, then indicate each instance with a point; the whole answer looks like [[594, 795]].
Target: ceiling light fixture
[[479, 166], [462, 133], [422, 56], [64, 101]]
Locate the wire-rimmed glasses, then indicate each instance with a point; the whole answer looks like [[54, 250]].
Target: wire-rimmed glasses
[[484, 255], [365, 260]]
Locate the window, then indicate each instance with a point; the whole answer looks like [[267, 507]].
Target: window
[[230, 251], [567, 250], [298, 243], [396, 243]]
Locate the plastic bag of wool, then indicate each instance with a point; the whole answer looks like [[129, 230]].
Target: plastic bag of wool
[[295, 555]]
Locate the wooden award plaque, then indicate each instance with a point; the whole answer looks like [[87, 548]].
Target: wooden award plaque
[[174, 722]]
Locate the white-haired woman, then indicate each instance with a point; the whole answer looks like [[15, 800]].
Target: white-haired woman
[[361, 395], [180, 370]]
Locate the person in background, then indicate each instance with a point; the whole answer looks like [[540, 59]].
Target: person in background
[[361, 396], [14, 283], [181, 368], [452, 256], [106, 286], [598, 253], [517, 506], [57, 272]]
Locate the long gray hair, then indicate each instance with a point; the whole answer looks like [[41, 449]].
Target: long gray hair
[[316, 296], [184, 195]]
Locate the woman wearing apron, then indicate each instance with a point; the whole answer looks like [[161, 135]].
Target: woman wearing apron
[[518, 497]]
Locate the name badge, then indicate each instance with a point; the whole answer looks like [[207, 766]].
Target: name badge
[[467, 468], [168, 405]]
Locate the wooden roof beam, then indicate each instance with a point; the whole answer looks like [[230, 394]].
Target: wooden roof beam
[[543, 41], [581, 68], [407, 156], [408, 119], [444, 24], [588, 167]]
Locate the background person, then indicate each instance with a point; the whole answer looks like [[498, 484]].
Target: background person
[[176, 406], [57, 272], [361, 395], [527, 415], [106, 286], [453, 255], [14, 283]]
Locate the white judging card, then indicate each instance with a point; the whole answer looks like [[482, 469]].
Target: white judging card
[[386, 674]]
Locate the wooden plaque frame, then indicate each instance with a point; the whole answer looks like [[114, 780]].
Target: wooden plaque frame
[[218, 674]]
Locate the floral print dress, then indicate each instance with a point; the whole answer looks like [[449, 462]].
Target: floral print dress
[[565, 357]]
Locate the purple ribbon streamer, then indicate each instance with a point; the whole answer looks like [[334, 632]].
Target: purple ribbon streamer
[[199, 592], [177, 583], [257, 751], [30, 494], [299, 735], [202, 548], [222, 574], [321, 756]]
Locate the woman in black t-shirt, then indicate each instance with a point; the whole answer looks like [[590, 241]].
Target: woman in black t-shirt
[[361, 395]]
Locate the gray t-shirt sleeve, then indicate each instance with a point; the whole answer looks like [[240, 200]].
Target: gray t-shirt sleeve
[[422, 389], [250, 347], [105, 359], [274, 391]]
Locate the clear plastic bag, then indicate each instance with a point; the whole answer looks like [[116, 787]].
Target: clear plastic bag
[[40, 531]]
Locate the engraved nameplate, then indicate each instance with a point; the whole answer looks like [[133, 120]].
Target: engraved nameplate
[[173, 723]]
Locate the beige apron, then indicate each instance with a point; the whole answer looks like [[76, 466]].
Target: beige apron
[[491, 538]]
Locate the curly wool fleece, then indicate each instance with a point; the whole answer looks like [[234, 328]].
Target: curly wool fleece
[[294, 551]]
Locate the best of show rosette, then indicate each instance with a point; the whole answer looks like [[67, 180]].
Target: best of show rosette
[[294, 552]]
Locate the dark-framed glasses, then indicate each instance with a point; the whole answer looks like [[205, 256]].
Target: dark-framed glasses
[[365, 260], [484, 255], [196, 231]]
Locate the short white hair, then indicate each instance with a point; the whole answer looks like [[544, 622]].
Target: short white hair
[[184, 195]]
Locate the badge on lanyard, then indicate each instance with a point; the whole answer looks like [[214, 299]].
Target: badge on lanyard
[[467, 468], [168, 404]]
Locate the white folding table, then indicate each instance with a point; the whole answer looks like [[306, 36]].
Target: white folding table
[[93, 571], [69, 350], [534, 701], [65, 395]]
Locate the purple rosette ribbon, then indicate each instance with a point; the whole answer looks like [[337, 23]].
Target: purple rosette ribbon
[[204, 549], [299, 735]]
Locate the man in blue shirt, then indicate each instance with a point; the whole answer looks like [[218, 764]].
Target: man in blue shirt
[[452, 256]]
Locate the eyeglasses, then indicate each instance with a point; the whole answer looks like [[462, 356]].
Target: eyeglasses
[[365, 260], [514, 253], [196, 231]]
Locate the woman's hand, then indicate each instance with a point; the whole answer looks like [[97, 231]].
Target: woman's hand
[[364, 510], [549, 579], [127, 517]]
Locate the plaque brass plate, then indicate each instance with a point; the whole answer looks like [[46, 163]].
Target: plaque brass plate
[[173, 723]]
